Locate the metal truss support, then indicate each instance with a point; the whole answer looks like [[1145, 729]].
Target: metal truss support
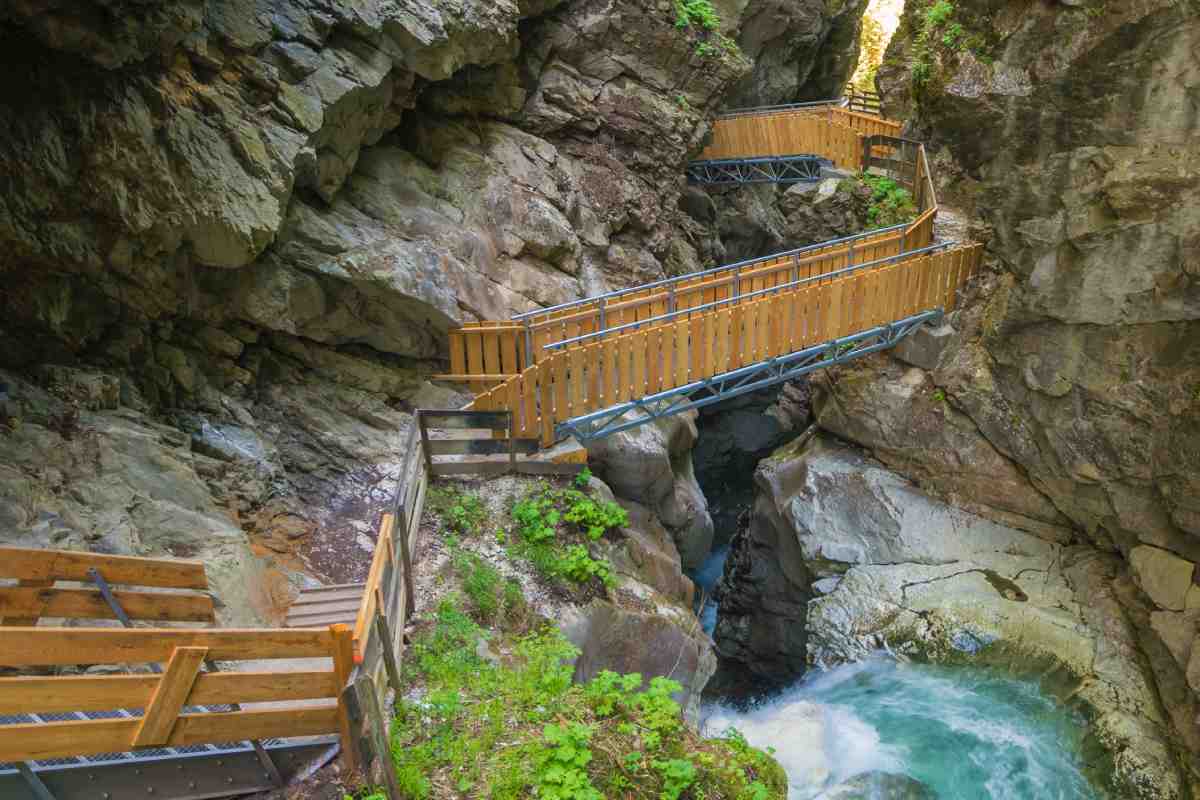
[[768, 169], [698, 394]]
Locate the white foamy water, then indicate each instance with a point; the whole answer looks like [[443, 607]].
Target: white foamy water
[[964, 733]]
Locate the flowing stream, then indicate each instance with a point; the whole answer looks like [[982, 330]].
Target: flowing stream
[[706, 578], [963, 732]]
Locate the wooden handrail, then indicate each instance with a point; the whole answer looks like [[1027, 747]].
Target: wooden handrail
[[579, 380]]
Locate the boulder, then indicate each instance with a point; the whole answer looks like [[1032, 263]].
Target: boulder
[[1164, 576], [652, 465], [651, 644]]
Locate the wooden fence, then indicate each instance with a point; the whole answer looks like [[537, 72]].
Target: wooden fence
[[618, 368], [863, 102], [158, 590], [477, 348]]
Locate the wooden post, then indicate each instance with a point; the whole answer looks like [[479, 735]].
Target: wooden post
[[424, 441], [343, 665], [173, 689]]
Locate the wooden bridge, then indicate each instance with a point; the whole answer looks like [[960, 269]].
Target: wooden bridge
[[602, 364]]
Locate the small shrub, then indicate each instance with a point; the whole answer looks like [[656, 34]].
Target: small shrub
[[938, 13], [596, 518], [696, 12], [891, 204], [678, 775], [462, 513], [561, 772], [577, 565], [481, 584], [585, 475]]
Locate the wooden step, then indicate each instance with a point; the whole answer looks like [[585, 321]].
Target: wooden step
[[325, 605]]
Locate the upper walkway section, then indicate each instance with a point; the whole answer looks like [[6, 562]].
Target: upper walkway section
[[579, 368]]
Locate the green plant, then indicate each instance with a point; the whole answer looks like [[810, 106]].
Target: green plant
[[577, 565], [536, 518], [891, 204], [954, 32], [938, 13], [462, 513], [480, 582], [696, 12], [519, 727], [678, 775], [585, 474], [939, 395], [596, 518], [561, 772]]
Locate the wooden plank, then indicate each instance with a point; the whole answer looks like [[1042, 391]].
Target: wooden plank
[[480, 447], [323, 619], [558, 372], [639, 342], [40, 741], [174, 686], [25, 647], [32, 602], [68, 565], [458, 352], [342, 650], [491, 353], [545, 404], [26, 622], [32, 695], [530, 421], [327, 594], [475, 354], [362, 625], [681, 353], [340, 604], [577, 402]]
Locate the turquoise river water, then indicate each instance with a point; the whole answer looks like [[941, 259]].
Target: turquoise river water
[[967, 734]]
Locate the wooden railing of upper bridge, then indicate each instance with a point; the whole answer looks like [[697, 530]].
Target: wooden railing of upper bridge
[[615, 367], [485, 354]]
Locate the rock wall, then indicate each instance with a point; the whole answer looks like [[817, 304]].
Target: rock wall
[[254, 222], [844, 557], [801, 49], [1061, 401]]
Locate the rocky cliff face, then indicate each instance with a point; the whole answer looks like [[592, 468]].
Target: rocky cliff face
[[801, 49], [252, 223], [1062, 401]]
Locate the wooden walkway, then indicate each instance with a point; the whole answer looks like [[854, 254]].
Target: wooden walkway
[[552, 367]]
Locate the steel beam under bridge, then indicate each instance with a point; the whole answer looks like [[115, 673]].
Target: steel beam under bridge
[[698, 394], [764, 169], [196, 772]]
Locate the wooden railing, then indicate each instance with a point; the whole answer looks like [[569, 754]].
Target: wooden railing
[[486, 354], [163, 697], [623, 366], [158, 590], [863, 102]]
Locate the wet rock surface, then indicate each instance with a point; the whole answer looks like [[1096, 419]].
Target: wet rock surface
[[843, 558]]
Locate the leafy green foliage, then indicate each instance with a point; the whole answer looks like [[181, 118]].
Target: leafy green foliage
[[678, 775], [699, 13], [938, 13], [562, 764], [891, 204], [521, 728], [581, 480], [462, 513], [481, 583], [596, 518], [560, 550]]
